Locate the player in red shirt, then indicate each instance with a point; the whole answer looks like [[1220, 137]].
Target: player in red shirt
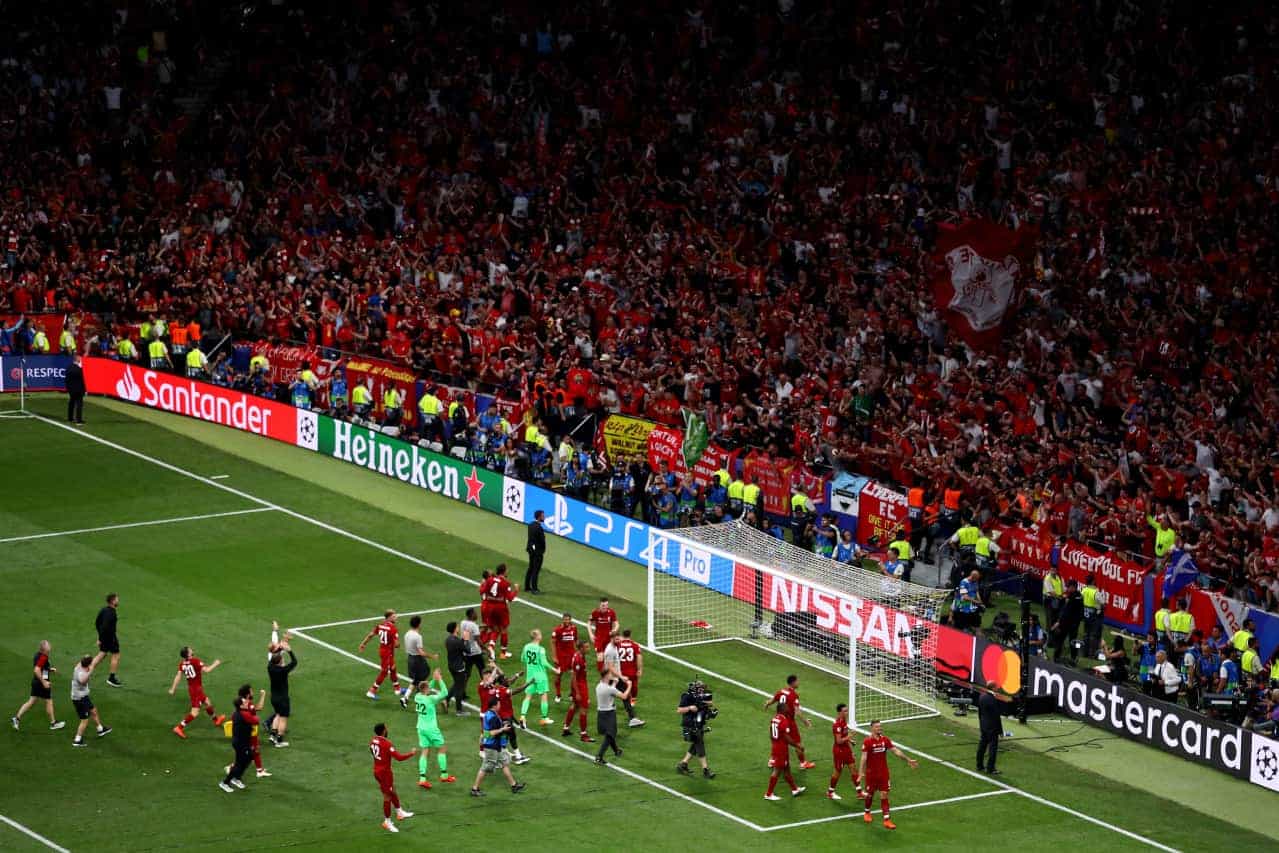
[[581, 693], [631, 659], [388, 640], [874, 770], [841, 753], [493, 684], [383, 751], [496, 593], [787, 700], [193, 669], [784, 735], [564, 642], [601, 625]]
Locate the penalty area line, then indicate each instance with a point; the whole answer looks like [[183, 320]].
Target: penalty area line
[[902, 808], [566, 748], [461, 608], [31, 833], [132, 524]]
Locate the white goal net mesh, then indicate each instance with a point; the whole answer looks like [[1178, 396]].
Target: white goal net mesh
[[731, 582]]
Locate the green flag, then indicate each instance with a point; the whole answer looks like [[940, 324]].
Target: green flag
[[696, 438]]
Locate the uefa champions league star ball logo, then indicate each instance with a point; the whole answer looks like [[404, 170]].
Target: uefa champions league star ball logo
[[1267, 761], [306, 431], [514, 498]]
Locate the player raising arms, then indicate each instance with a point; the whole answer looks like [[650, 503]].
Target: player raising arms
[[429, 737], [383, 751], [193, 670], [601, 625], [841, 753], [564, 641], [246, 706], [581, 694], [784, 734], [535, 663], [787, 700], [388, 640], [874, 770], [496, 594], [493, 685]]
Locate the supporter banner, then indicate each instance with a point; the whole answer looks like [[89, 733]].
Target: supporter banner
[[665, 445], [880, 511], [384, 375], [1213, 608], [286, 360], [188, 397], [843, 496], [51, 323], [625, 437], [1132, 715], [1126, 591], [406, 462], [34, 372], [978, 265], [776, 477]]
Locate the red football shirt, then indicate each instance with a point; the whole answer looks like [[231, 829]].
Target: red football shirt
[[497, 590], [787, 700], [564, 640], [383, 751], [579, 671], [192, 670], [839, 730], [387, 634], [628, 656], [781, 730], [876, 750], [602, 621]]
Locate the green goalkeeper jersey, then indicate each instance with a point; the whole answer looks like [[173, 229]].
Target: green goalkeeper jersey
[[425, 705], [534, 659]]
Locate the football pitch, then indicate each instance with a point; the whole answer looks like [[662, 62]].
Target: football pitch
[[208, 535]]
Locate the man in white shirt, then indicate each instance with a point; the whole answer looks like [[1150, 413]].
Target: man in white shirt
[[1166, 675]]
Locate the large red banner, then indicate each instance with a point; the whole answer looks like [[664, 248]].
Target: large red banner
[[200, 400], [773, 476], [51, 323], [880, 511], [1120, 581], [384, 375], [287, 359], [665, 444]]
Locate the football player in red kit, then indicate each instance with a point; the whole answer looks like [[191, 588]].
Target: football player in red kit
[[787, 700], [564, 643], [874, 770], [784, 735], [383, 751], [631, 659], [581, 693], [601, 625], [193, 669], [841, 753], [496, 593], [388, 640]]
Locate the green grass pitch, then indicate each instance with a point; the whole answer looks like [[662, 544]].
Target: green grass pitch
[[282, 534]]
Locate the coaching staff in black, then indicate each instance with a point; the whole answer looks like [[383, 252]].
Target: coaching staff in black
[[278, 671], [992, 726], [108, 641], [242, 723], [536, 548], [75, 391]]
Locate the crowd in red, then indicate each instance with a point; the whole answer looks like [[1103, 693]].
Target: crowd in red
[[724, 206]]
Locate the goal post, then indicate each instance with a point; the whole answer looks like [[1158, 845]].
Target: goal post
[[732, 583]]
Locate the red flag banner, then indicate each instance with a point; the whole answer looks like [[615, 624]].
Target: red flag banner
[[978, 268]]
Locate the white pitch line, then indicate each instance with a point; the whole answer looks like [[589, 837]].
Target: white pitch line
[[852, 814], [426, 564], [33, 834], [220, 477], [560, 744], [957, 768], [458, 607], [154, 523]]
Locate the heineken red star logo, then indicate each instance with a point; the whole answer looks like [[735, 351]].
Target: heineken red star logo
[[474, 485]]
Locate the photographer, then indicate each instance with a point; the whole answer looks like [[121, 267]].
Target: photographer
[[1117, 662], [696, 705]]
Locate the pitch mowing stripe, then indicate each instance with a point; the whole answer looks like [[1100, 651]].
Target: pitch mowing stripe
[[560, 744], [154, 523], [30, 833], [425, 564]]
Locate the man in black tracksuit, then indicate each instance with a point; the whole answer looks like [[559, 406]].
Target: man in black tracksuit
[[278, 671], [455, 651], [536, 549], [242, 723]]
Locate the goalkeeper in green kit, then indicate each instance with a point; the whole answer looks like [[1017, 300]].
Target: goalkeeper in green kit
[[429, 737], [535, 671]]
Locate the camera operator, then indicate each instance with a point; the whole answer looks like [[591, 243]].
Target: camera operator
[[1117, 661], [696, 705]]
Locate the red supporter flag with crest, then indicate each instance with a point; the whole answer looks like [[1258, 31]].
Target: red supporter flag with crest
[[979, 265]]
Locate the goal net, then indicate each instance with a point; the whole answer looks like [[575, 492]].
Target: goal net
[[732, 583]]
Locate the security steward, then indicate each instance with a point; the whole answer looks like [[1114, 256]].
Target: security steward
[[40, 343], [197, 363], [801, 514], [905, 553], [66, 341], [1181, 624], [125, 349], [986, 558], [158, 353], [753, 500], [362, 399], [735, 493], [964, 541], [1093, 621], [431, 409], [392, 410]]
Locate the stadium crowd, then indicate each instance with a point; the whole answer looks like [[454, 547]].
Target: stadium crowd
[[730, 209]]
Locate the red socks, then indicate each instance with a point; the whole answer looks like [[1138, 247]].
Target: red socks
[[386, 808], [188, 718], [772, 785], [883, 806], [583, 721]]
